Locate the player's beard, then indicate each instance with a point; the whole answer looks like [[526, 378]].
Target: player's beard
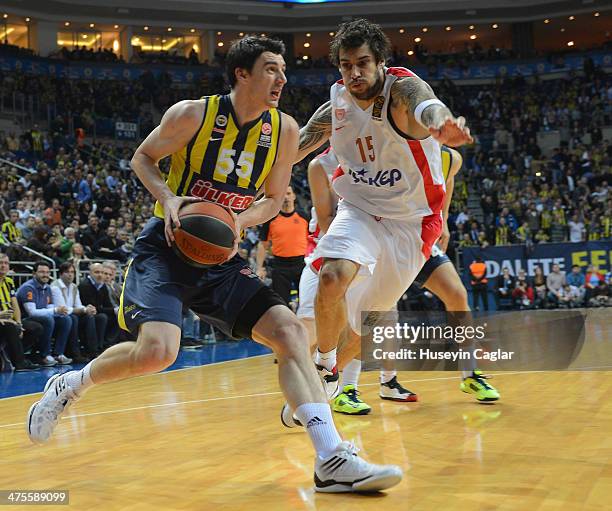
[[372, 91]]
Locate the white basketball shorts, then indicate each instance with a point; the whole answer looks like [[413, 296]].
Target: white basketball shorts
[[390, 254]]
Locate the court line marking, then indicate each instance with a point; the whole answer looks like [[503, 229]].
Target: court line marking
[[172, 371], [262, 394]]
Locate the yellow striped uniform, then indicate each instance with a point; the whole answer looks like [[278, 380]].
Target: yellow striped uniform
[[11, 232], [447, 162], [224, 163], [7, 291]]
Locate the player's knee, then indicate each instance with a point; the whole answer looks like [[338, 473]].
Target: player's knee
[[153, 354], [291, 339], [332, 281], [456, 299]]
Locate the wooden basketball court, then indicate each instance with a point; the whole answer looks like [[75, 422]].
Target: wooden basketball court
[[210, 438]]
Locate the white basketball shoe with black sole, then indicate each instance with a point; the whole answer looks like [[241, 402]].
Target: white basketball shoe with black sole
[[44, 415], [343, 471]]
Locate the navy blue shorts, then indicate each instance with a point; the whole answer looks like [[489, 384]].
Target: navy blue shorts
[[159, 286], [428, 268]]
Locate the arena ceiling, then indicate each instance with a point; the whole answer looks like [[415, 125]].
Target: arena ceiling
[[278, 17]]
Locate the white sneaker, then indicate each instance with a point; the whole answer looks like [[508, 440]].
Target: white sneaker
[[287, 418], [44, 415], [48, 361], [393, 391], [330, 379], [63, 360], [343, 471]]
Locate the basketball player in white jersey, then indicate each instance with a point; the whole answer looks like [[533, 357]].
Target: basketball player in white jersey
[[439, 276], [325, 201], [386, 127]]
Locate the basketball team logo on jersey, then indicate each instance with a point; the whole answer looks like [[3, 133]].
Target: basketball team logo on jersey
[[340, 113], [377, 109], [382, 177], [207, 191]]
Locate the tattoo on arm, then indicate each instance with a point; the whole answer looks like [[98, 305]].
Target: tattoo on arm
[[318, 128], [411, 91]]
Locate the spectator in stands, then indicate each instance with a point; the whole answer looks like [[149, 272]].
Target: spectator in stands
[[478, 274], [11, 328], [523, 295], [78, 258], [92, 234], [503, 289], [94, 292], [577, 230], [109, 246], [86, 189], [503, 234], [575, 279], [36, 302], [53, 214], [555, 280], [10, 229], [65, 293], [600, 296], [39, 242], [539, 287], [593, 279], [114, 293]]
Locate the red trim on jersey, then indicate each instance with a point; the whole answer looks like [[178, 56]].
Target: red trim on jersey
[[317, 264], [340, 82], [400, 71], [434, 193], [337, 173], [323, 153], [431, 229], [312, 240]]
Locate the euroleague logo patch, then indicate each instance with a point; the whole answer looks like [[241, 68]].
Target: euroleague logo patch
[[266, 128], [221, 120]]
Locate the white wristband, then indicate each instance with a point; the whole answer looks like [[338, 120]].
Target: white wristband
[[418, 111]]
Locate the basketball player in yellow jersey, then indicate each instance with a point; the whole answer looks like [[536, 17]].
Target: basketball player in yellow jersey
[[233, 145]]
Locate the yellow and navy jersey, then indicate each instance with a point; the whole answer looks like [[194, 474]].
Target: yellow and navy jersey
[[224, 163], [447, 162], [11, 232], [7, 292]]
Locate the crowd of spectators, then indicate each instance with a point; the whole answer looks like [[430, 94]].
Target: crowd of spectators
[[555, 290], [82, 53]]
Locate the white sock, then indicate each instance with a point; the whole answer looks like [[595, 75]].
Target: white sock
[[81, 380], [466, 374], [386, 376], [317, 419], [351, 372], [327, 360]]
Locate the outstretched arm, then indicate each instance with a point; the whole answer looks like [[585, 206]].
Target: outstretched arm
[[316, 132], [435, 120]]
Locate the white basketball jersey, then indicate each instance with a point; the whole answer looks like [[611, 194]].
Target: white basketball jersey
[[382, 171]]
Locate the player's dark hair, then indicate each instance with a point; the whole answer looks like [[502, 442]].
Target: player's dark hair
[[244, 52], [38, 264], [353, 34]]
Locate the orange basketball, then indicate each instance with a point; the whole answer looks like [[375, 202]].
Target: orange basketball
[[206, 235]]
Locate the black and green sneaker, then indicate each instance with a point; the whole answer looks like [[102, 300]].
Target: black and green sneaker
[[348, 402]]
